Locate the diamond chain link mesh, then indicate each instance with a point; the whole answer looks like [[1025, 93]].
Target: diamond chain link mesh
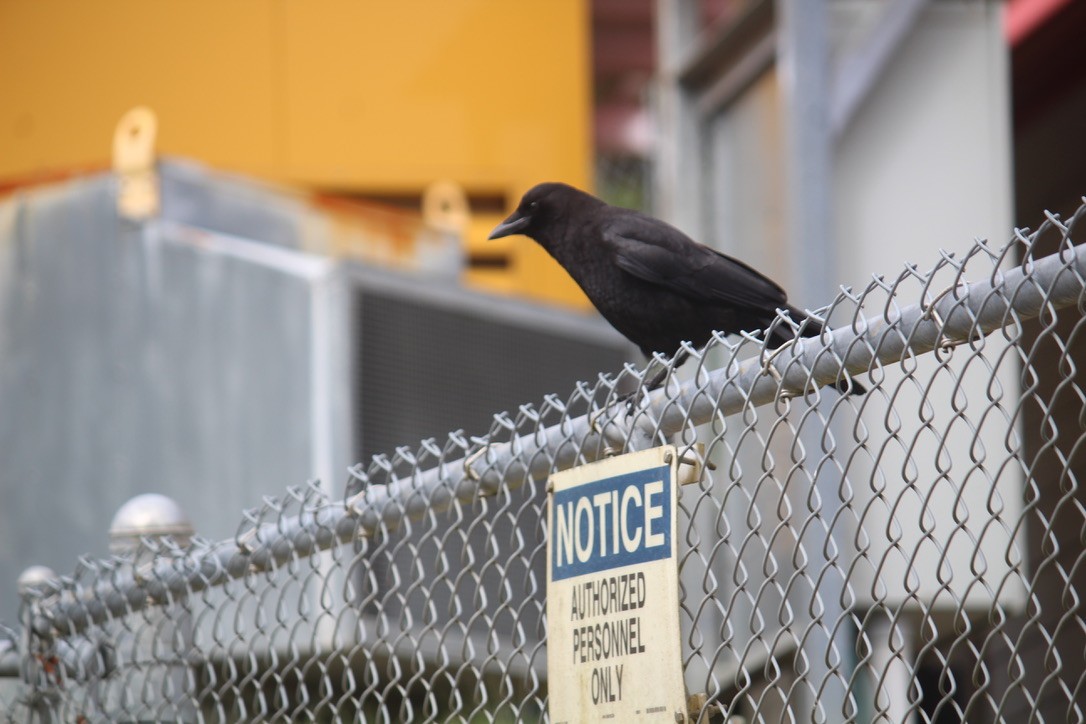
[[912, 554]]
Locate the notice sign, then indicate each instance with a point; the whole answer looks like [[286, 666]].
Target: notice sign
[[613, 639]]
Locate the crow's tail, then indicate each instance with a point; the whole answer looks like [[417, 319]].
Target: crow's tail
[[782, 331], [809, 327]]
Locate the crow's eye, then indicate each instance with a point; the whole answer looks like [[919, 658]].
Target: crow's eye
[[533, 204]]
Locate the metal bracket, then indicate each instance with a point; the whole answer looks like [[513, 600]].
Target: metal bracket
[[134, 164], [688, 470]]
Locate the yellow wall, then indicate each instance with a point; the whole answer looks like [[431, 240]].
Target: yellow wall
[[350, 96]]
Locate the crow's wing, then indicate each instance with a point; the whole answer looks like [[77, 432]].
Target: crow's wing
[[656, 252]]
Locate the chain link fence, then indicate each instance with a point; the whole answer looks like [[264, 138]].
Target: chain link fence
[[912, 554]]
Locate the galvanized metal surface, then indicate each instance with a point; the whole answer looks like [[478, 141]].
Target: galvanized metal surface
[[952, 545], [207, 354], [139, 358]]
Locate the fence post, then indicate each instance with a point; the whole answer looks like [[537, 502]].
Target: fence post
[[38, 666], [158, 638]]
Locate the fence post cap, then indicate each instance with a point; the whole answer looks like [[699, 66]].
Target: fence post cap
[[149, 514], [33, 578]]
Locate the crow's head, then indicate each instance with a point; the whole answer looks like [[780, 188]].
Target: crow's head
[[543, 205]]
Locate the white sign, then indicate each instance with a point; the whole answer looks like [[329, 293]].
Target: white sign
[[613, 637]]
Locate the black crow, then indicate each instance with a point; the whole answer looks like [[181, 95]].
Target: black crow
[[653, 283]]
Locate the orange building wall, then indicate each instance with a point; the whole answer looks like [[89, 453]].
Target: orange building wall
[[346, 96]]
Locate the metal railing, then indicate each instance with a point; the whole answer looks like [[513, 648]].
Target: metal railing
[[912, 553]]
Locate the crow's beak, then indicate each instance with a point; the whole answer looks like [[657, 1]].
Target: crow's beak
[[512, 225]]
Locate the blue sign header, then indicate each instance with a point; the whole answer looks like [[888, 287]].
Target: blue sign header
[[611, 523]]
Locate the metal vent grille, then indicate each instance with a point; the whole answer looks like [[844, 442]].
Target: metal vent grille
[[427, 366]]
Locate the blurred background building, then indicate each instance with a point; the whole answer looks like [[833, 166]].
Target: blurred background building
[[311, 284], [821, 142]]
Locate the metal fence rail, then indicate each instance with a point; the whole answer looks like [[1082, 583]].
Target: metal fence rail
[[916, 552]]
